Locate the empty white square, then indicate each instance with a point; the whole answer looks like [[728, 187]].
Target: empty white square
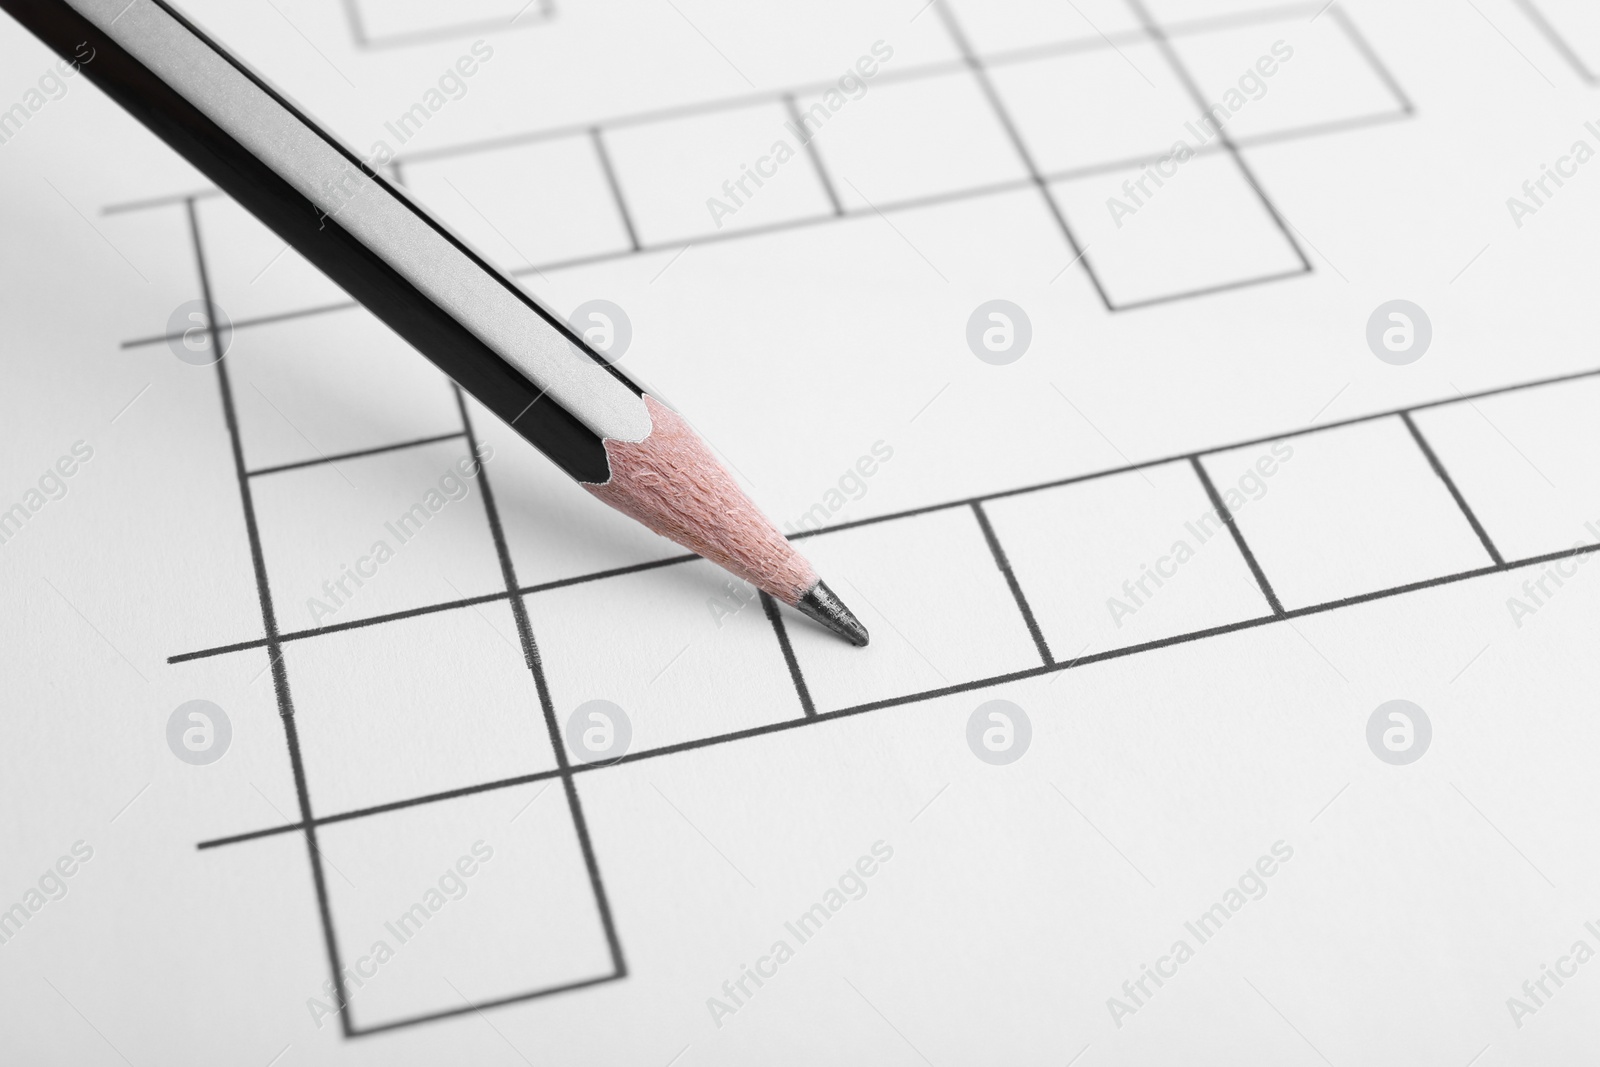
[[484, 897], [930, 593], [919, 137], [685, 651], [1125, 559], [1203, 227], [1526, 462], [370, 536], [415, 706], [1351, 510]]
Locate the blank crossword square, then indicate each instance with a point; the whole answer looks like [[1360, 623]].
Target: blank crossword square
[[695, 176], [1348, 511], [481, 897], [996, 26], [375, 535], [1273, 77], [326, 384], [685, 651], [902, 580], [525, 205], [415, 706], [1094, 109], [1125, 559], [916, 138], [1203, 228], [253, 272], [1526, 462]]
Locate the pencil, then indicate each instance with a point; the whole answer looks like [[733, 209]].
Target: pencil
[[523, 363]]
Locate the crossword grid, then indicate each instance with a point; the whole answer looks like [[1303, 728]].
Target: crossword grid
[[530, 14], [285, 702], [566, 772], [515, 593], [980, 66], [1226, 145]]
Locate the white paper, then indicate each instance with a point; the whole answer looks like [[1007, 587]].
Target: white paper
[[1210, 784]]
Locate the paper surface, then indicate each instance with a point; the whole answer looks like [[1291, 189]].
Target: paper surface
[[1211, 384]]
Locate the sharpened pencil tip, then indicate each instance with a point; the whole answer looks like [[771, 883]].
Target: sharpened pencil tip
[[820, 604]]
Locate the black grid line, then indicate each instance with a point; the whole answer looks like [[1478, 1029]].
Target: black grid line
[[536, 13], [927, 509], [988, 682], [259, 320], [1209, 290], [445, 605], [168, 200], [1017, 594], [394, 805], [357, 454], [616, 189], [1557, 40], [1220, 508], [269, 623], [497, 1002], [1449, 483], [808, 143], [1370, 54], [796, 676]]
